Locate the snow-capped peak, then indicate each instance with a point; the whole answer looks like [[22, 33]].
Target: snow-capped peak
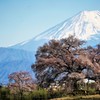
[[83, 25]]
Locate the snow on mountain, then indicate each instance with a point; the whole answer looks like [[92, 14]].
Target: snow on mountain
[[84, 25], [13, 60]]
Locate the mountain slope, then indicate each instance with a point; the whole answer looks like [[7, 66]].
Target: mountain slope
[[82, 25], [13, 60], [30, 46], [85, 26]]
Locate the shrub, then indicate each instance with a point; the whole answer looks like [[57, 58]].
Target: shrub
[[55, 94], [40, 94], [4, 93]]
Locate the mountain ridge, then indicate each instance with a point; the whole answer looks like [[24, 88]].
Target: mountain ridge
[[14, 60], [81, 17], [84, 25]]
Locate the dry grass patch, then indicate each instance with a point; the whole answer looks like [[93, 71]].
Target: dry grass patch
[[87, 97]]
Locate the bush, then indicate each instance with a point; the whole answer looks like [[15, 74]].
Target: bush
[[40, 94], [91, 91], [55, 94], [4, 93]]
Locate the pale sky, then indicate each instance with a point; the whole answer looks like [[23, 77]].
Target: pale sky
[[21, 20]]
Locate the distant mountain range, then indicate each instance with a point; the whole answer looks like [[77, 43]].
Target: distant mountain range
[[84, 25], [13, 60]]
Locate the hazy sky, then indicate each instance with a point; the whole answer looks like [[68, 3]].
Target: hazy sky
[[21, 20]]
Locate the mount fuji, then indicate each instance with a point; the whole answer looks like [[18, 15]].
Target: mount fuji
[[84, 25]]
